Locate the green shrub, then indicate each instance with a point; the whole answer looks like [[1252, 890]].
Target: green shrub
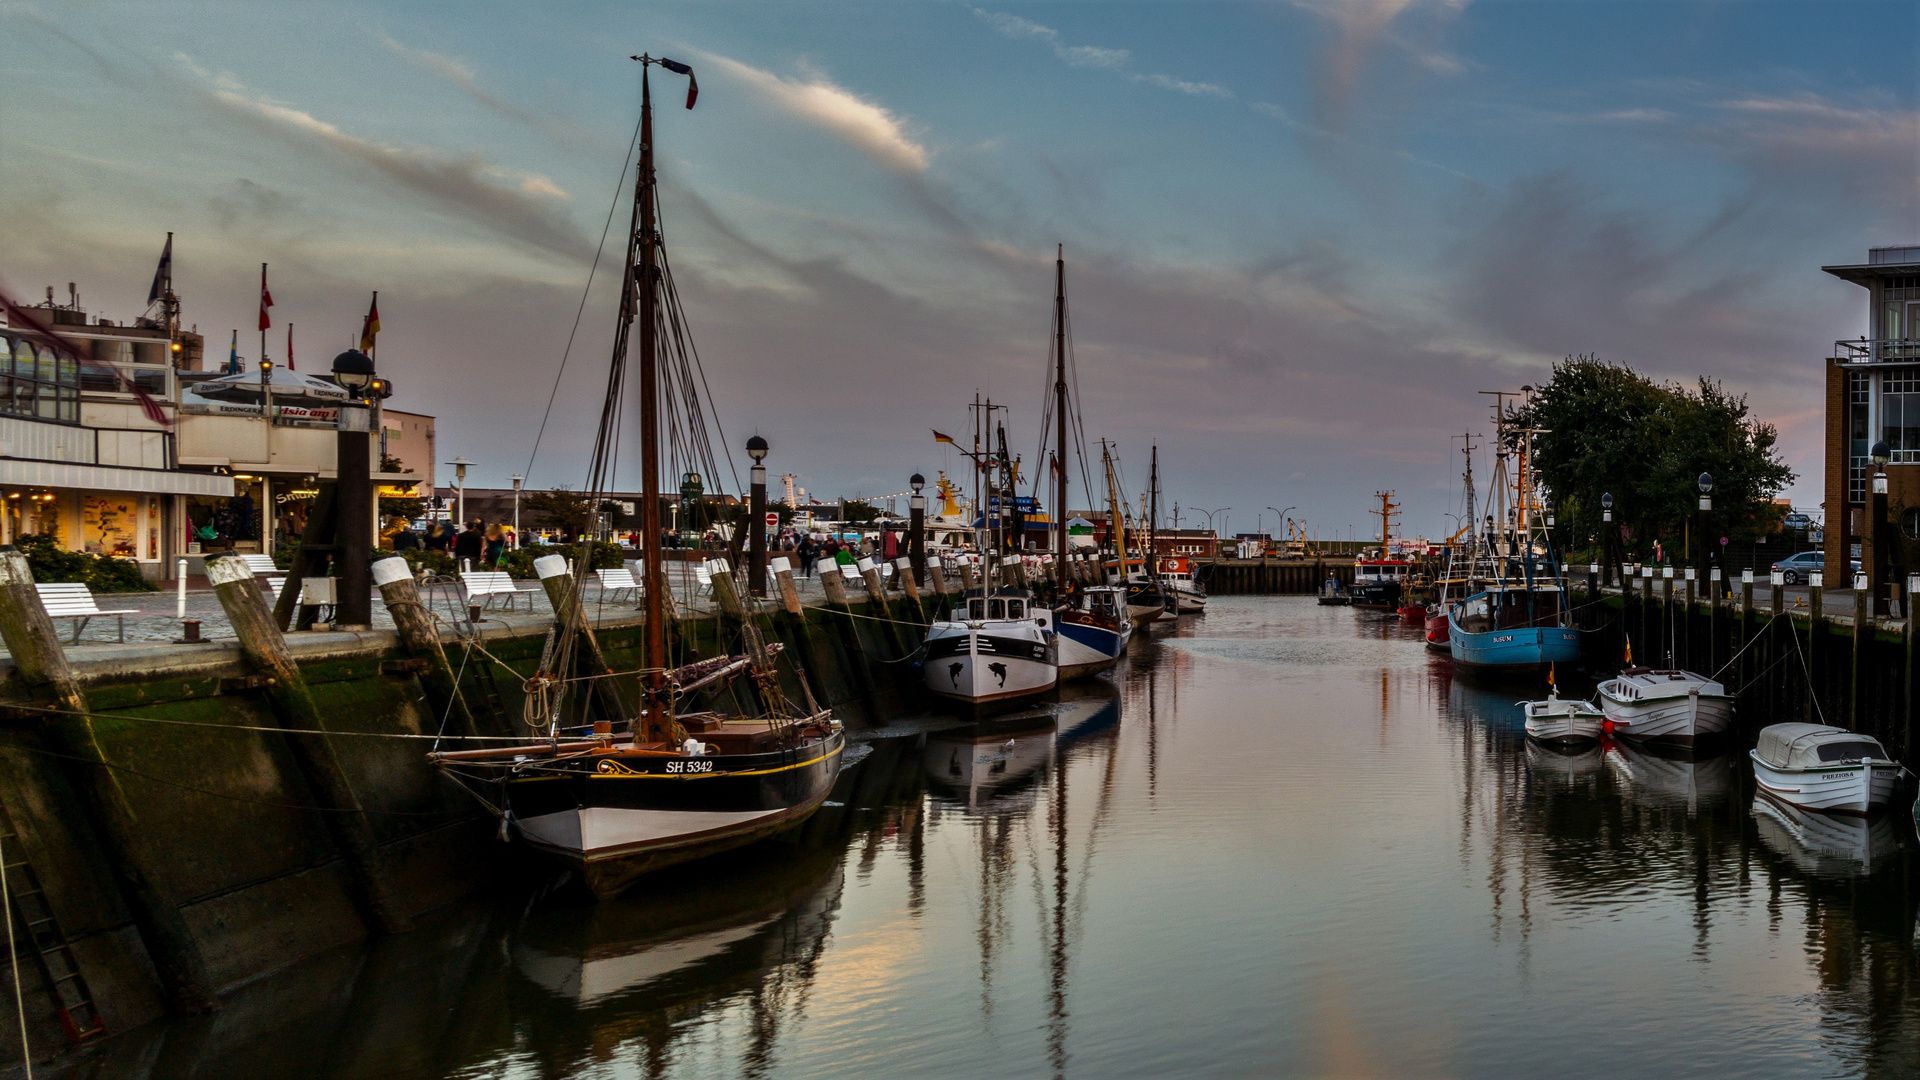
[[101, 573]]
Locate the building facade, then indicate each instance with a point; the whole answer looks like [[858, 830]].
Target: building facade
[[1873, 395]]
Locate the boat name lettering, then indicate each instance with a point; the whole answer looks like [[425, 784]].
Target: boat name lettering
[[689, 766], [1503, 637]]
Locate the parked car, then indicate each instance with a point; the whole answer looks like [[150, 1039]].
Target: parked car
[[1794, 569], [1797, 521]]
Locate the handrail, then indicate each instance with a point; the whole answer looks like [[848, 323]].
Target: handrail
[[1883, 350]]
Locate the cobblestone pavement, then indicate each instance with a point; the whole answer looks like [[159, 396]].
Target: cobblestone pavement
[[157, 620]]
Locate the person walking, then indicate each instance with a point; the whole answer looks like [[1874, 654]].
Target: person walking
[[805, 551], [470, 545], [495, 548], [406, 539]]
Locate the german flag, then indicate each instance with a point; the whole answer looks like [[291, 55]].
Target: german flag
[[371, 325], [937, 437]]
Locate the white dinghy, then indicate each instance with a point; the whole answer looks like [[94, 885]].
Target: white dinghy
[[1556, 720], [1665, 705], [1823, 768]]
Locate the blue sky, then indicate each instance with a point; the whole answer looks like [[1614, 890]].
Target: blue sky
[[1300, 236]]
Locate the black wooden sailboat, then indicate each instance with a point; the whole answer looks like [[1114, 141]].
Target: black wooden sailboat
[[619, 792]]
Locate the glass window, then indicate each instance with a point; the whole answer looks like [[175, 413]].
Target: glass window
[[996, 609], [1900, 413], [1016, 610]]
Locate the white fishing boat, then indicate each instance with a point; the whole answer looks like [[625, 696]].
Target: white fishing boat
[[1557, 720], [1176, 582], [992, 650], [1092, 631], [1665, 705], [1823, 768]]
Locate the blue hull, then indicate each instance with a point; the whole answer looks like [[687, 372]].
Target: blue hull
[[1528, 647], [1085, 650]]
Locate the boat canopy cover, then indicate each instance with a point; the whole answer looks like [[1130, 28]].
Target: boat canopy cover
[[1806, 746]]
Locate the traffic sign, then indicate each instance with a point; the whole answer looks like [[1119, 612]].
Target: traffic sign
[[773, 519]]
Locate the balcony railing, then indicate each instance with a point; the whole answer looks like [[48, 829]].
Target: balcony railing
[[1886, 350]]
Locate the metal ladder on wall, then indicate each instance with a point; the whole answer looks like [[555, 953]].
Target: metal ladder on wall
[[446, 592], [40, 931]]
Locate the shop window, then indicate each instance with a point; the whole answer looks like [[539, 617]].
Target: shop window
[[111, 525], [1900, 413]]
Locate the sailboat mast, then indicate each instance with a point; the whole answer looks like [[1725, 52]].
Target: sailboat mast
[[1060, 406], [654, 587], [1114, 516], [1152, 557]]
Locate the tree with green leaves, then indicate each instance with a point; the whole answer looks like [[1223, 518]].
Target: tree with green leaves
[[1605, 428], [406, 506], [569, 511]]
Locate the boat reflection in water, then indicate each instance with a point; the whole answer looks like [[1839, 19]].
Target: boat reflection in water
[[708, 932], [1825, 845], [1655, 774], [981, 763], [1566, 764]]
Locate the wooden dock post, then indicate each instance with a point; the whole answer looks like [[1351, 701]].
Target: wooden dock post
[[783, 578], [556, 577], [294, 709], [1745, 633], [1862, 655], [966, 576], [832, 582], [876, 594], [903, 573], [1815, 590], [937, 576], [726, 591], [40, 662], [1911, 642], [1666, 611], [421, 639]]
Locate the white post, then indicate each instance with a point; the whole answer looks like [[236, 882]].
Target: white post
[[180, 604]]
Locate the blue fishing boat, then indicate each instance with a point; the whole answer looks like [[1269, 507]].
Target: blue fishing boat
[[1515, 628]]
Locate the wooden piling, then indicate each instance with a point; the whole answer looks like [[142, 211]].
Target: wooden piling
[[421, 639], [726, 591], [966, 576], [832, 581], [938, 576], [783, 578], [556, 577], [1862, 658], [41, 664], [294, 709], [903, 573]]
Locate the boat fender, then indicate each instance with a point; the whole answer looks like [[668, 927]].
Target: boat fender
[[506, 821], [694, 747], [1606, 727]]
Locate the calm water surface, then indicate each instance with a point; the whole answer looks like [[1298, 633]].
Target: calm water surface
[[1283, 841]]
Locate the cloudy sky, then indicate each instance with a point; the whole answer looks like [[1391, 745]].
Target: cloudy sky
[[1301, 236]]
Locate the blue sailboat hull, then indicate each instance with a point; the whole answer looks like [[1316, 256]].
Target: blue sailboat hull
[[1513, 650]]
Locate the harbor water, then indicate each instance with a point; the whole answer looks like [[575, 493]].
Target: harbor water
[[1280, 840]]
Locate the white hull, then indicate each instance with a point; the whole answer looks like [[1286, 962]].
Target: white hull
[[1563, 721], [596, 833], [1189, 603], [1078, 660], [1856, 788], [998, 665], [1674, 719]]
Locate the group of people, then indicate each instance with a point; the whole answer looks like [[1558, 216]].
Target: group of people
[[809, 548], [481, 546]]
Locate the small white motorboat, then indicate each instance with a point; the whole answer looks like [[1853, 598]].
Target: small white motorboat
[[1665, 705], [1823, 768], [1559, 721], [994, 650]]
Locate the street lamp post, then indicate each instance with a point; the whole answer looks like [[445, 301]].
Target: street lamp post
[[917, 529], [1210, 528], [1609, 536], [517, 481], [1280, 520], [1879, 536], [460, 491], [353, 490], [757, 518], [1702, 552]]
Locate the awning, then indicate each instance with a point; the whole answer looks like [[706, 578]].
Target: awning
[[56, 474]]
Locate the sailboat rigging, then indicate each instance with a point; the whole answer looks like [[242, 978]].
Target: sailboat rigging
[[614, 791]]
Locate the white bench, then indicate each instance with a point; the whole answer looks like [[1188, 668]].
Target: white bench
[[260, 565], [483, 585], [73, 600], [618, 581]]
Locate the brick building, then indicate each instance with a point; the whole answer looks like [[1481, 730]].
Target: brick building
[[1873, 395]]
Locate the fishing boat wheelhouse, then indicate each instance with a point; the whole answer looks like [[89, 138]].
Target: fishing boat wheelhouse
[[1378, 580]]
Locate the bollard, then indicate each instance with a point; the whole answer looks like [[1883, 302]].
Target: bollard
[[41, 664], [294, 709], [556, 577], [833, 583], [903, 573], [1911, 643], [783, 578], [726, 591], [938, 577], [421, 638], [870, 573], [1862, 642], [966, 575]]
